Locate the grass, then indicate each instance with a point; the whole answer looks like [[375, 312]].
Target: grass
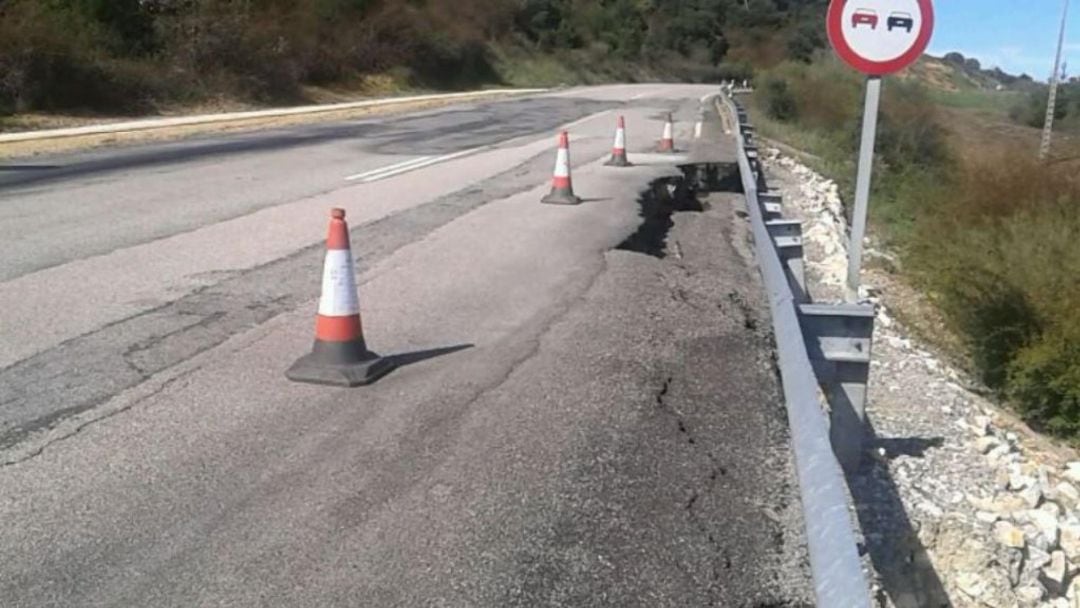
[[996, 102]]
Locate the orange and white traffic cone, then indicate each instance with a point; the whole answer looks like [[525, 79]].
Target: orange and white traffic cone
[[340, 356], [667, 142], [618, 151], [562, 191]]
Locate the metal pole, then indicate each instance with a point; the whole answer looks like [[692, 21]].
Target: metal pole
[[862, 185], [1051, 101]]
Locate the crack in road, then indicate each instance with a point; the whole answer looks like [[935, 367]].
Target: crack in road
[[721, 557]]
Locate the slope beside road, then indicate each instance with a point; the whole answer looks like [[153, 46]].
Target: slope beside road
[[586, 412]]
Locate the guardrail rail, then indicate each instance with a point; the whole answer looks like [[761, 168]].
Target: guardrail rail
[[817, 344]]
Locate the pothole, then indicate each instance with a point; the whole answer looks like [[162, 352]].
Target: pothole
[[658, 202], [669, 195]]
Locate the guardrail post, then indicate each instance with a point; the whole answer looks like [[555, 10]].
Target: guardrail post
[[838, 340], [787, 237]]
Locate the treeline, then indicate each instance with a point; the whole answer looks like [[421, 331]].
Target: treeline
[[133, 55]]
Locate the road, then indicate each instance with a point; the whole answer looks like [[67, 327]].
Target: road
[[586, 411]]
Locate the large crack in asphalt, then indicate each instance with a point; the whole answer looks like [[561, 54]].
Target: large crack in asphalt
[[721, 558], [85, 372]]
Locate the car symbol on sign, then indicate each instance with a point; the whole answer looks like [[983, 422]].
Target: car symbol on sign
[[864, 15], [899, 19]]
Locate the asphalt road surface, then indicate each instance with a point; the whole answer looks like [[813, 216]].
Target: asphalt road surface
[[586, 411]]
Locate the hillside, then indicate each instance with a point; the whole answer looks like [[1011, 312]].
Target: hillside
[[123, 57]]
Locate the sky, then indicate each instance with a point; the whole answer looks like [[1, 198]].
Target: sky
[[1015, 35]]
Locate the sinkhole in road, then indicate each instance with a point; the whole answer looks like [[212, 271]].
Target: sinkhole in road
[[669, 195]]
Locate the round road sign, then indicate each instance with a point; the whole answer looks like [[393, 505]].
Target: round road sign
[[879, 37]]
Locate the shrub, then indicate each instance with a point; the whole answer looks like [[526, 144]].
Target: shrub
[[778, 100], [998, 252]]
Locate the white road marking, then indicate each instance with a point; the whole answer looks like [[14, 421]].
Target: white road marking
[[411, 165], [579, 121], [639, 96], [392, 167]]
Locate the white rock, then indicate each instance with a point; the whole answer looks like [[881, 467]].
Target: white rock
[[1072, 471], [1054, 574], [986, 517], [1052, 508], [1019, 482], [1009, 535], [983, 427], [1029, 596], [999, 455], [1036, 558], [1032, 496], [1006, 503], [1070, 541], [1045, 524], [1067, 491]]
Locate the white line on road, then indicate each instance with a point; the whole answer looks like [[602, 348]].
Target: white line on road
[[639, 96], [427, 161], [579, 121], [411, 165], [374, 172]]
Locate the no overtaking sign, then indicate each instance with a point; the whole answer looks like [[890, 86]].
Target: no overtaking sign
[[879, 37], [876, 37]]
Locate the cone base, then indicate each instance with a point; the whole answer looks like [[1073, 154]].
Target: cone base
[[561, 197], [339, 364], [618, 161], [664, 147]]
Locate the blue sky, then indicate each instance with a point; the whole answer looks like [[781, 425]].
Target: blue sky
[[1016, 35]]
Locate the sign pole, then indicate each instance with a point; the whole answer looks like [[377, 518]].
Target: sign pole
[[862, 185]]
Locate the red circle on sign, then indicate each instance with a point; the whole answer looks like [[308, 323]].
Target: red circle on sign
[[835, 23]]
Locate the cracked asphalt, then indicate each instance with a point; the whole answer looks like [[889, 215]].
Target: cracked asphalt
[[586, 411]]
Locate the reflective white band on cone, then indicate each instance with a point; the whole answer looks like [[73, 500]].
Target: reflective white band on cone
[[338, 297], [562, 163]]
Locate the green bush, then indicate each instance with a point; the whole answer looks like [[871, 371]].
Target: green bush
[[998, 252], [778, 100]]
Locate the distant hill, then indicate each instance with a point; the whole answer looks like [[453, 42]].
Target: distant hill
[[954, 72]]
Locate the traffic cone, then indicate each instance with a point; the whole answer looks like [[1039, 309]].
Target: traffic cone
[[340, 357], [667, 142], [562, 191], [700, 124], [618, 151]]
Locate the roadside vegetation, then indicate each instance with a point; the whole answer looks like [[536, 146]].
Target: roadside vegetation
[[142, 56], [987, 231]]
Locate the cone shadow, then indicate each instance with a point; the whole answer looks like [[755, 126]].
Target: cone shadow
[[403, 359]]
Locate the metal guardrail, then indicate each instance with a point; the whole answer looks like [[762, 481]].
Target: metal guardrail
[[839, 580]]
